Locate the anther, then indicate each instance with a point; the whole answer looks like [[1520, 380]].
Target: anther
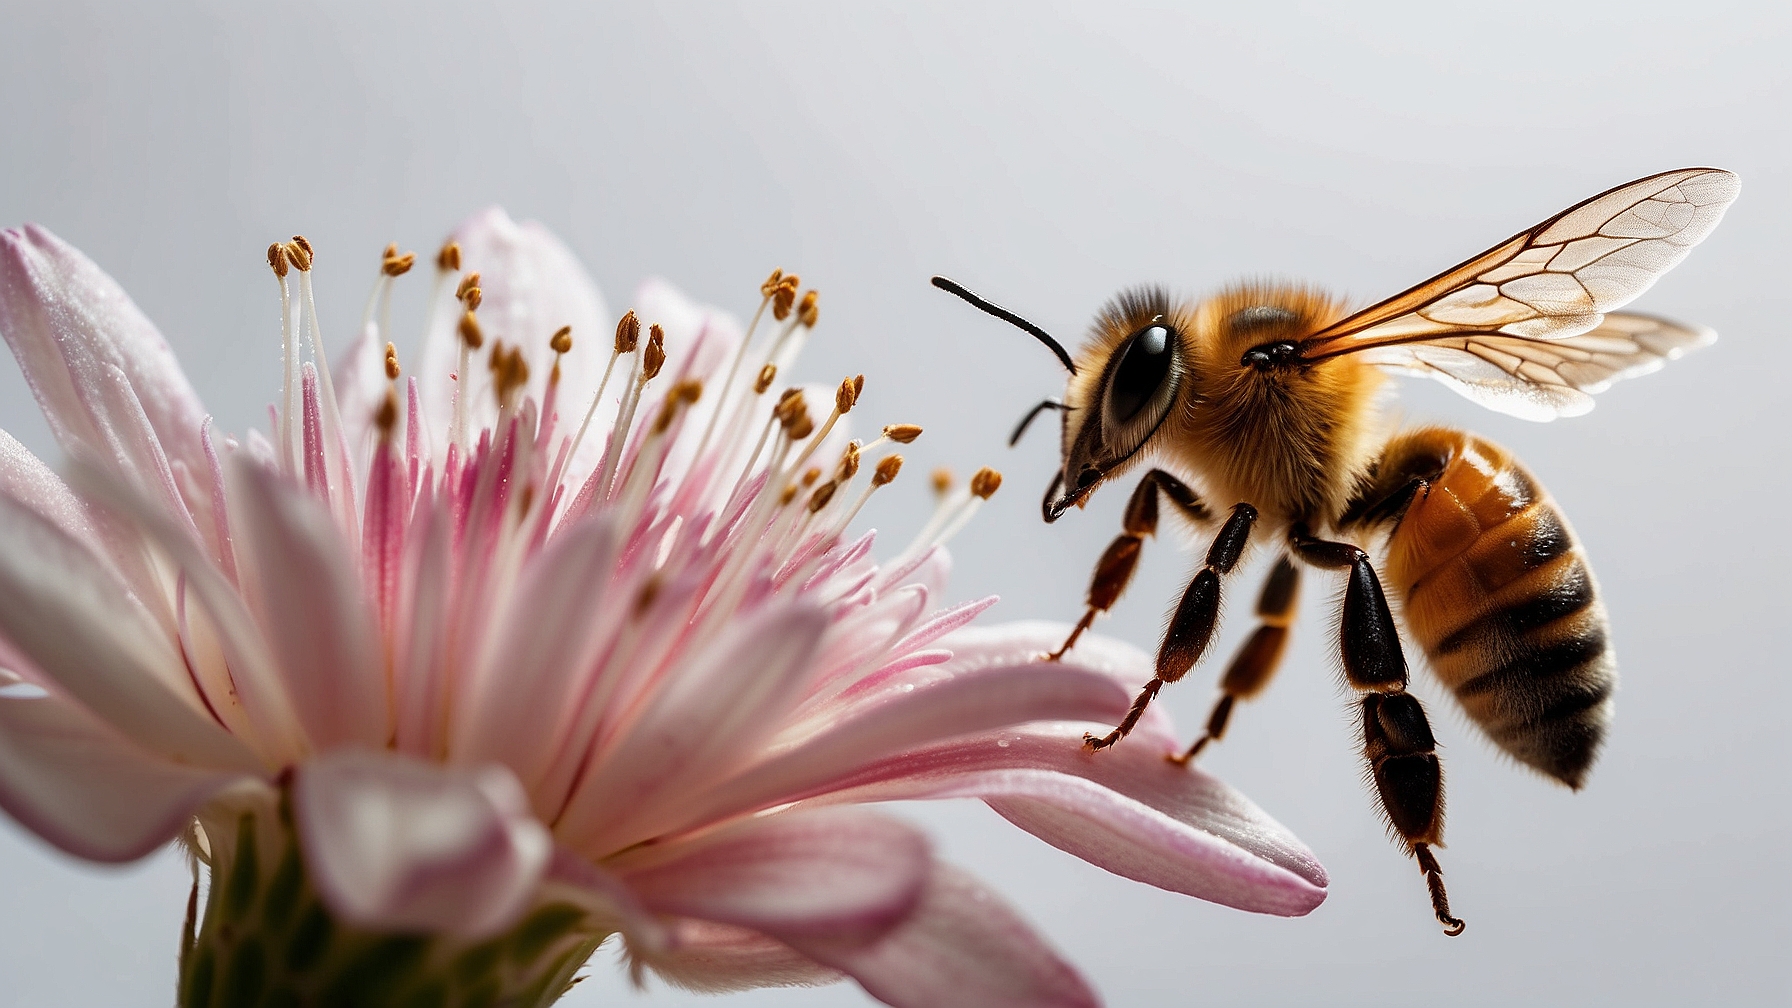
[[847, 395], [395, 265], [561, 341], [654, 357], [448, 259], [300, 241], [823, 493], [887, 468], [788, 495], [772, 283], [385, 417], [805, 312], [628, 332], [783, 299], [468, 291], [277, 259], [942, 480], [985, 482], [391, 362], [299, 256], [849, 463], [469, 331], [789, 401], [802, 427], [812, 474], [902, 433]]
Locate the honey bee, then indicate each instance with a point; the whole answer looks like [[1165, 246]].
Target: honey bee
[[1267, 398]]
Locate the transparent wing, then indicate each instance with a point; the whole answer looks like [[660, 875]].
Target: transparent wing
[[1544, 379], [1488, 325]]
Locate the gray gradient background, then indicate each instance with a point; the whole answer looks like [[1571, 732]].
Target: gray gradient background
[[1047, 155]]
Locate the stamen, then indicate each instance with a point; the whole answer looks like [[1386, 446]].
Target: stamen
[[448, 259], [767, 375], [849, 463], [385, 417], [289, 391], [393, 264], [391, 362], [471, 339], [810, 476], [902, 433], [883, 475], [766, 290], [844, 398], [653, 357], [887, 468], [942, 481], [984, 483], [561, 344], [628, 333], [823, 493]]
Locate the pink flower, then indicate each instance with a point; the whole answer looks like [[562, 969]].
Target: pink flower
[[544, 641]]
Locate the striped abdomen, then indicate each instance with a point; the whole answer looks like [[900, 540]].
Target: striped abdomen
[[1499, 595]]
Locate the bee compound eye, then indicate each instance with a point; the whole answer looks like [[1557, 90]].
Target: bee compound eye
[[1144, 366]]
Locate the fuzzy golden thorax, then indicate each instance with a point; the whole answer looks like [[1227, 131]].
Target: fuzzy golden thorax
[[1293, 440]]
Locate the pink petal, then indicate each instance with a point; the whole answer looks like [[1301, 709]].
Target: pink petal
[[532, 285], [66, 612], [717, 709], [312, 607], [1126, 809], [83, 787], [716, 958], [914, 715], [399, 844], [962, 946], [106, 380], [844, 875]]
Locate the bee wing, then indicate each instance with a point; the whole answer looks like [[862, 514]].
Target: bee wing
[[1496, 323], [1543, 379]]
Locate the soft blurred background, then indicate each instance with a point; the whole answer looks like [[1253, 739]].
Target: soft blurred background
[[1046, 154]]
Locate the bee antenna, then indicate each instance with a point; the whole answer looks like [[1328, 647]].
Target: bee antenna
[[954, 288]]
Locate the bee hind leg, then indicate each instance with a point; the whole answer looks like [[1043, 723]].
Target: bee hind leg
[[1257, 660], [1191, 628], [1397, 739]]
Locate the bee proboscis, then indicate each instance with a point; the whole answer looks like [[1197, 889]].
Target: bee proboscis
[[1265, 401]]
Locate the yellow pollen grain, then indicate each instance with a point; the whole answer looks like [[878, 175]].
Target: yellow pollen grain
[[887, 468], [823, 493], [628, 332], [767, 375], [942, 480], [654, 357], [902, 433], [561, 341], [985, 482], [805, 312], [391, 362], [277, 260], [448, 259], [810, 475]]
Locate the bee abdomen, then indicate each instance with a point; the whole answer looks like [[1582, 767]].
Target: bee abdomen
[[1499, 595]]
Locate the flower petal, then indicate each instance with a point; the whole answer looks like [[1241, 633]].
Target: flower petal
[[312, 607], [80, 785], [933, 706], [396, 843], [532, 284], [962, 946], [846, 875], [64, 610], [106, 380], [713, 958], [705, 720], [1126, 809]]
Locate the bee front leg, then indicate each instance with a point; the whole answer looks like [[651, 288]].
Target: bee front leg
[[1397, 739], [1192, 627], [1256, 661], [1114, 570]]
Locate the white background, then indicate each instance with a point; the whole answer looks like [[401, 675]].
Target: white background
[[1046, 154]]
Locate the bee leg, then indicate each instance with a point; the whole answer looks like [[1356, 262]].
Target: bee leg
[[1114, 570], [1402, 757], [1397, 739], [1255, 663], [1192, 626]]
